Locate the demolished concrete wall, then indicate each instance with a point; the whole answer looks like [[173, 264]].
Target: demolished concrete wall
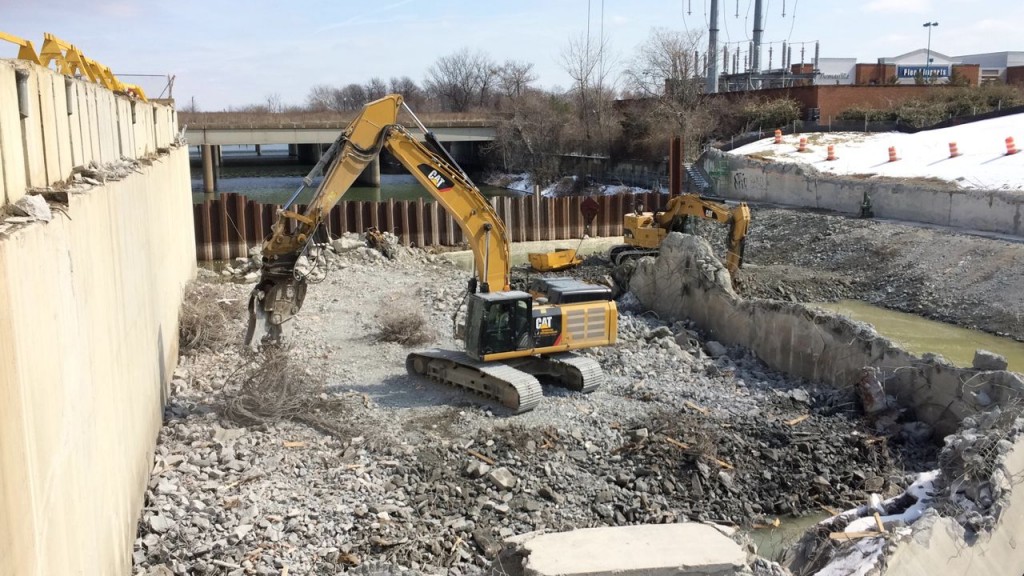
[[790, 184], [686, 281]]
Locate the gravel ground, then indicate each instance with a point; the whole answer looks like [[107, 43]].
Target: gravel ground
[[397, 474]]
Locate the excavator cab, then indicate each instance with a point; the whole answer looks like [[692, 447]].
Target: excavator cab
[[498, 322]]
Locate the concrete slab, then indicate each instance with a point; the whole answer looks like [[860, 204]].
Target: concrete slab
[[649, 549], [12, 153]]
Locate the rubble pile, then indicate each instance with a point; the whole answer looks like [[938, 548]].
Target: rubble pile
[[417, 476]]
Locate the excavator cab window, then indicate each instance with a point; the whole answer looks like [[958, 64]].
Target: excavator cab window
[[500, 325]]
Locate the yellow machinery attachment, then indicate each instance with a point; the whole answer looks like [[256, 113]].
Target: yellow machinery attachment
[[560, 259]]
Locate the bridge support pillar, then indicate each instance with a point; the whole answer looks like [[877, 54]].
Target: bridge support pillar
[[309, 153], [293, 150], [371, 174], [258, 151], [209, 181]]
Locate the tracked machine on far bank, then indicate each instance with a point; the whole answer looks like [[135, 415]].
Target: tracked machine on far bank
[[643, 232], [511, 337]]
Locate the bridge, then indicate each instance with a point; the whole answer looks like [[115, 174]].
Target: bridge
[[307, 133]]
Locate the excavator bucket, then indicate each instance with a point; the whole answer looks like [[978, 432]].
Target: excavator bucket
[[560, 259]]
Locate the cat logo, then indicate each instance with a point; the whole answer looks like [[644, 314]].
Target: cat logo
[[709, 213], [544, 323], [436, 178]]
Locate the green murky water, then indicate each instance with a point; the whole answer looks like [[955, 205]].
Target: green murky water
[[919, 335]]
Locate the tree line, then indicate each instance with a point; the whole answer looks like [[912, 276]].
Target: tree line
[[619, 107]]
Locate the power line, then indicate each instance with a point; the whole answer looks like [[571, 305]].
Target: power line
[[795, 4]]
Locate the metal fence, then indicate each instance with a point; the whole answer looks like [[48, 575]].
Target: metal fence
[[231, 224]]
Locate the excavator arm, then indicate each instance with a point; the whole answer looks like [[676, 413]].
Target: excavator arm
[[279, 294], [737, 217]]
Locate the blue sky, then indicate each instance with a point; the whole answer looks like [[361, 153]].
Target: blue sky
[[236, 53]]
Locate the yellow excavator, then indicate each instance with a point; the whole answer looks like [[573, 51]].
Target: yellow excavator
[[643, 232], [510, 337]]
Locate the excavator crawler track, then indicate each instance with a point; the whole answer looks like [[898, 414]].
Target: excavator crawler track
[[568, 370], [512, 388], [620, 254]]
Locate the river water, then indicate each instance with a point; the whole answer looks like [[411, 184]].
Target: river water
[[919, 335], [273, 178]]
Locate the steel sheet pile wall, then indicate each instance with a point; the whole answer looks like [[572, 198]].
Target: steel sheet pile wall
[[88, 321], [229, 225]]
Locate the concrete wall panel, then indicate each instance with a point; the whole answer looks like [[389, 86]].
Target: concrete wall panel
[[12, 151], [90, 122], [79, 131], [77, 429], [794, 185], [32, 129], [60, 114], [48, 124], [124, 121]]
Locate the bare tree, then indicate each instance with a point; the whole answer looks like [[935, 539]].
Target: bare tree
[[514, 78], [376, 88], [321, 98], [664, 70], [274, 103], [352, 97], [586, 59], [664, 66], [461, 79], [405, 86]]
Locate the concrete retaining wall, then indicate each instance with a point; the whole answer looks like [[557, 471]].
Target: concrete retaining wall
[[88, 325], [790, 184], [686, 281]]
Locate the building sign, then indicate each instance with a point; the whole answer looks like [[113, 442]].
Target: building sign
[[924, 71], [836, 76]]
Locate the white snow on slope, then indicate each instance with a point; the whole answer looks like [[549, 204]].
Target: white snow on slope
[[983, 163]]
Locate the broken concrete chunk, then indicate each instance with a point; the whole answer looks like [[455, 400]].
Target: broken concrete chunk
[[872, 395], [33, 206], [985, 360], [348, 242], [715, 349], [160, 524], [502, 479], [686, 548]]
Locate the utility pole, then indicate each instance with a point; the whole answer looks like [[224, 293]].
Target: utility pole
[[712, 82]]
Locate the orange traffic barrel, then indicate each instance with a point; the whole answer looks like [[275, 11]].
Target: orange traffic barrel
[[892, 154], [831, 153], [803, 144], [1011, 148], [778, 136], [953, 152]]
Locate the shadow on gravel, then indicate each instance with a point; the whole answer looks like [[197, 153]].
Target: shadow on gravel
[[403, 391]]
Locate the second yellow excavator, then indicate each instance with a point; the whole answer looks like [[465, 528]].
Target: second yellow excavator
[[644, 231], [511, 337]]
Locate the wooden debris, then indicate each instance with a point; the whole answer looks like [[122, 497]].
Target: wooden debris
[[797, 420], [481, 457], [723, 464], [878, 522], [693, 406], [295, 444], [677, 443], [851, 536]]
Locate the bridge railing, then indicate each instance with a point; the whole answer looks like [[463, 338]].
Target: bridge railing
[[230, 225]]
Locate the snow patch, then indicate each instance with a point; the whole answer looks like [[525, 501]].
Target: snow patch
[[982, 164]]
